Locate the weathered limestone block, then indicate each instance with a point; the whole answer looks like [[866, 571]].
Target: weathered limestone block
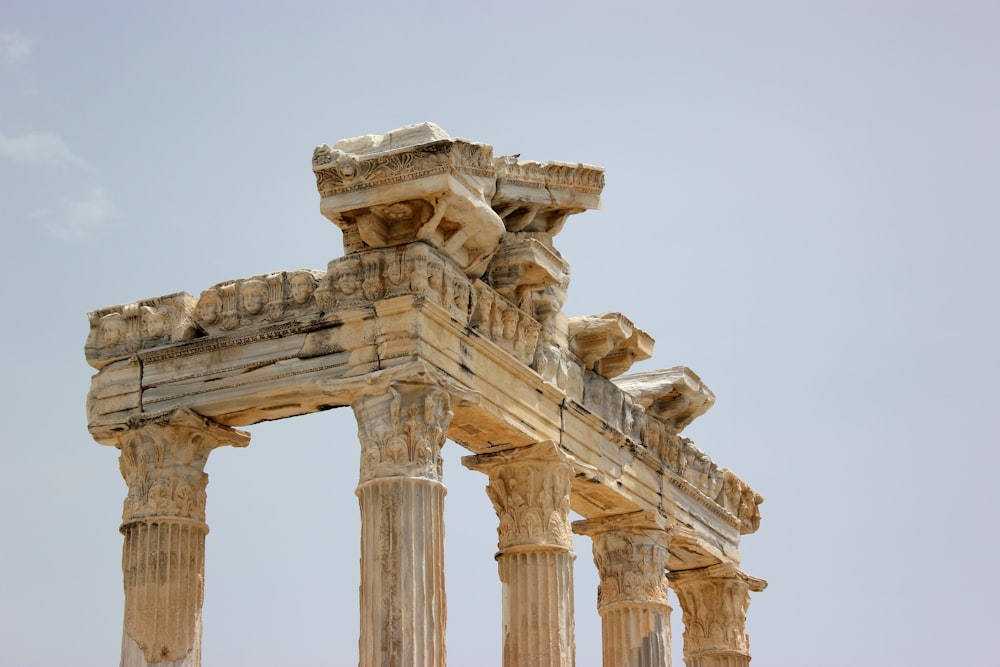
[[608, 344], [163, 460], [631, 554], [714, 603], [401, 495], [739, 498], [412, 184], [535, 197], [676, 396], [525, 265], [530, 491], [119, 331]]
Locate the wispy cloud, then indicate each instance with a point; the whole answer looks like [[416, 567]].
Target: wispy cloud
[[16, 46], [39, 148], [79, 218]]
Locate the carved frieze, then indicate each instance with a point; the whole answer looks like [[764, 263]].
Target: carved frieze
[[536, 197], [415, 268], [412, 184], [256, 301], [402, 432], [119, 331], [502, 322], [529, 488]]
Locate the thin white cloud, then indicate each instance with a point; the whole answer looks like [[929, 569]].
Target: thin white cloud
[[16, 46], [79, 218], [39, 148]]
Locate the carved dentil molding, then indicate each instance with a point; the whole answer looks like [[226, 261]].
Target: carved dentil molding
[[402, 432], [530, 491]]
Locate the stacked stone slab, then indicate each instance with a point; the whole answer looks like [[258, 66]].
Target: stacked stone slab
[[443, 319]]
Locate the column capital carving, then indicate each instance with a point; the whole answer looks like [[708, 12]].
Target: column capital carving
[[163, 461], [529, 487], [714, 601], [402, 431], [630, 551]]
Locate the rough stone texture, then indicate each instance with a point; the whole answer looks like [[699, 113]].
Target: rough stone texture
[[444, 318]]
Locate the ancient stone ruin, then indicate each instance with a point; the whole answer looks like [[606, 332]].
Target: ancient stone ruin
[[443, 319]]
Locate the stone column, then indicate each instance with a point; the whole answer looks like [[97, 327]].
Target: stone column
[[714, 603], [163, 559], [529, 487], [630, 551], [403, 610]]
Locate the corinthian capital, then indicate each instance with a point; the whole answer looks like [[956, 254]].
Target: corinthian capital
[[402, 431], [529, 487], [163, 461], [714, 601], [630, 551]]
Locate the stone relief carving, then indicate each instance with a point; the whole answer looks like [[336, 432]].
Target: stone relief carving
[[502, 322], [535, 197], [631, 553], [258, 300], [402, 432], [529, 488], [118, 331], [415, 268]]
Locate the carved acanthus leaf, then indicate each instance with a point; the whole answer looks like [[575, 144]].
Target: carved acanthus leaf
[[402, 432], [530, 489]]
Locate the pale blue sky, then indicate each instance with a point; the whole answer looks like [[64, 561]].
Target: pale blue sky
[[802, 204]]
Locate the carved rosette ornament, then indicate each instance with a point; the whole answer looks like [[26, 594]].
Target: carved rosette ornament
[[402, 525], [163, 460], [530, 490], [714, 602], [630, 551]]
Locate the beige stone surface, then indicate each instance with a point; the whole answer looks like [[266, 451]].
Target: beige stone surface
[[443, 319]]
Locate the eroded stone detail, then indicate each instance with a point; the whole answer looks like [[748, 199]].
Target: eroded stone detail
[[412, 184], [416, 268], [119, 331], [529, 488], [714, 603], [536, 197], [402, 432], [608, 344], [676, 396]]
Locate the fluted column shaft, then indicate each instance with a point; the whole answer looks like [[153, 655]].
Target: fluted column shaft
[[529, 487], [403, 609], [630, 551], [714, 602], [163, 522]]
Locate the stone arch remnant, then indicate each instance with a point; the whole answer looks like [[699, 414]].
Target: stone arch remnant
[[443, 319]]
